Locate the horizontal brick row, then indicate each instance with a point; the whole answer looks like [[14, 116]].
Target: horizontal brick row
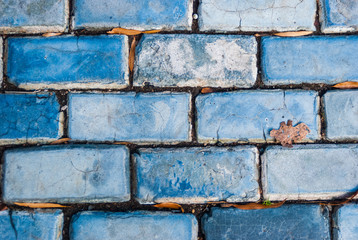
[[100, 173], [304, 221], [179, 60], [52, 16], [239, 116]]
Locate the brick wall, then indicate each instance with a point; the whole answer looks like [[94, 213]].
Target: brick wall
[[189, 124]]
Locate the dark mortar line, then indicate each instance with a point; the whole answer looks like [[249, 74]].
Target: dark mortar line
[[135, 145], [132, 174], [258, 83], [149, 88], [322, 115], [130, 73], [195, 22], [4, 61], [71, 11], [193, 116], [331, 223], [317, 22]]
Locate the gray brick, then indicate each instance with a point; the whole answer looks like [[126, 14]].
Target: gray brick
[[309, 172]]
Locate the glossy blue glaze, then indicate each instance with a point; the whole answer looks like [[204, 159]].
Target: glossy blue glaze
[[133, 226], [144, 117], [341, 114], [42, 62], [21, 225], [197, 175], [137, 14], [67, 174], [327, 59], [251, 115], [294, 221], [27, 116]]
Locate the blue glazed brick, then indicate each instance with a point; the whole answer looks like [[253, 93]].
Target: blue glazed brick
[[341, 114], [143, 117], [329, 59], [251, 115], [338, 16], [68, 62], [197, 175], [346, 219], [20, 225], [309, 172], [277, 15], [19, 16], [287, 222], [138, 14], [69, 174], [29, 118], [133, 226], [196, 60]]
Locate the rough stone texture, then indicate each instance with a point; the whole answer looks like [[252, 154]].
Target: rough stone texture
[[251, 115], [67, 174], [33, 16], [341, 114], [134, 14], [309, 172], [20, 225], [262, 15], [338, 16], [133, 226], [327, 59], [197, 175], [196, 60], [27, 117], [141, 117], [346, 222], [287, 222], [68, 62]]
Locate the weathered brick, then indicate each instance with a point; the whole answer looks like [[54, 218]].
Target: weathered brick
[[341, 114], [33, 16], [296, 221], [134, 225], [196, 60], [27, 117], [309, 172], [20, 225], [251, 115], [141, 117], [328, 59], [271, 15], [68, 62], [69, 174], [338, 16], [346, 219], [139, 14], [197, 175]]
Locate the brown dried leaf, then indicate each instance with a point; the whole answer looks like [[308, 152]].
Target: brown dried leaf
[[287, 134], [343, 202], [169, 205], [254, 206], [129, 32], [293, 34], [40, 205], [206, 90], [132, 55], [121, 143], [151, 31], [62, 140], [51, 34], [346, 85]]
